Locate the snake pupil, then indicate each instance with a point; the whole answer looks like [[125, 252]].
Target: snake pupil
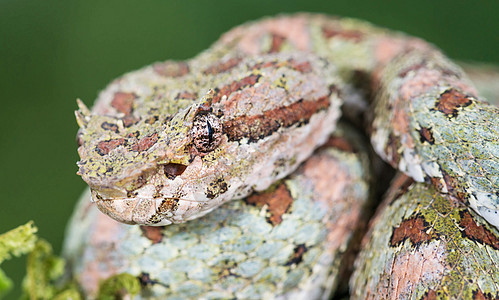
[[206, 132], [210, 132]]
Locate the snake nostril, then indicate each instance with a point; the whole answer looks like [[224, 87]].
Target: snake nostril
[[173, 170]]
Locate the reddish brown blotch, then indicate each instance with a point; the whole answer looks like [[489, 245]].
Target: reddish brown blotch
[[413, 229], [258, 126], [277, 201], [450, 101]]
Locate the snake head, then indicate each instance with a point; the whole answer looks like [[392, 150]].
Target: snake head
[[135, 169], [154, 152]]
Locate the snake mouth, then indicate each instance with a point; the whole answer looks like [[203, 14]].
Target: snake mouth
[[137, 211], [146, 210], [160, 196], [148, 184]]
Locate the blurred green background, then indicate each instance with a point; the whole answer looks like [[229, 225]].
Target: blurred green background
[[52, 52]]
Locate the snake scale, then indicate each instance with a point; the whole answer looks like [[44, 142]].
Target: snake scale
[[254, 117]]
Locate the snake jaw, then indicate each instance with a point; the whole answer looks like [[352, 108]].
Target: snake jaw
[[172, 194], [132, 211]]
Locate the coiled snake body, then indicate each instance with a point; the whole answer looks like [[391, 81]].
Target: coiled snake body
[[176, 140]]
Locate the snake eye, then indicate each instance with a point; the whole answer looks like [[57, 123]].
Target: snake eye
[[206, 132]]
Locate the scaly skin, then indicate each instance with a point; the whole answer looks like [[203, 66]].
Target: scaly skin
[[267, 246], [424, 245], [146, 158], [163, 168], [175, 140], [445, 135]]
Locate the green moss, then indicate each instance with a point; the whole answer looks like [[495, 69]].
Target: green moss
[[5, 283], [118, 286], [18, 241], [15, 243], [43, 269], [71, 293]]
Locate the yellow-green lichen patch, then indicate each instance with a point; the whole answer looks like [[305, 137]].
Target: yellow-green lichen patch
[[119, 287], [15, 242], [44, 278], [468, 247]]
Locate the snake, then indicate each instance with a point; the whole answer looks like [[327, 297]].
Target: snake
[[232, 176]]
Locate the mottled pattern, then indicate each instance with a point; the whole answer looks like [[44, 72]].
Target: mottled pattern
[[439, 130], [424, 245], [176, 140], [264, 85], [239, 250], [283, 105]]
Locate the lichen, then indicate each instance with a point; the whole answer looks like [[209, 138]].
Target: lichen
[[44, 271], [15, 243], [18, 241], [119, 286]]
